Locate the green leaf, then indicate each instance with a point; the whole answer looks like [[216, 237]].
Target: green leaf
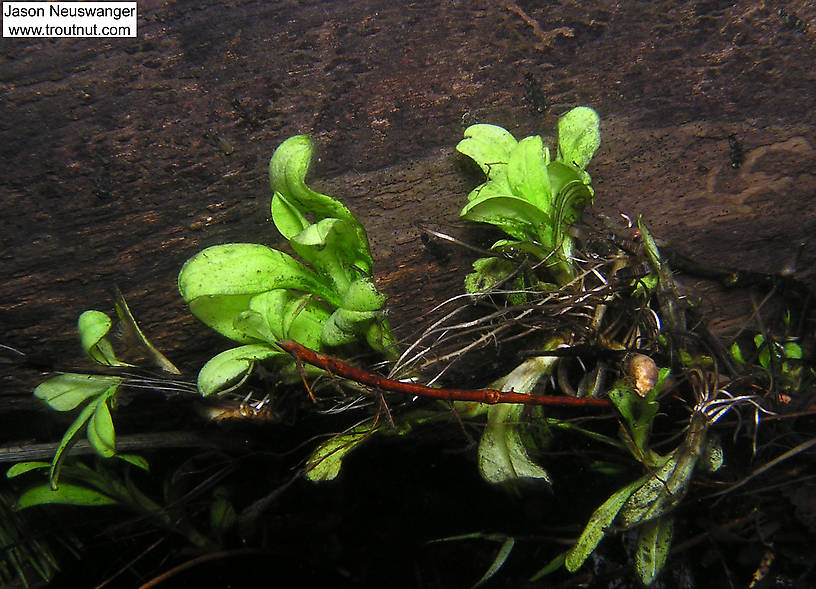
[[67, 391], [287, 175], [219, 282], [502, 453], [230, 366], [67, 494], [93, 326], [501, 556], [362, 295], [549, 568], [666, 485], [489, 146], [527, 172], [513, 215], [654, 543], [345, 327], [488, 272], [333, 249], [222, 513], [638, 414], [595, 529], [579, 136], [286, 217], [68, 439], [736, 353], [792, 351], [137, 461], [100, 432], [23, 467], [284, 314]]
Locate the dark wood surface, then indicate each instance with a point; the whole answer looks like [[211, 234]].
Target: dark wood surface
[[122, 158]]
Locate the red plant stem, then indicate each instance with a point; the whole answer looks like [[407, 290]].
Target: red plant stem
[[489, 396]]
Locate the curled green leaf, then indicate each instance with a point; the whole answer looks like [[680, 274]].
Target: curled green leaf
[[23, 467], [513, 215], [93, 326], [100, 431], [333, 249], [287, 176]]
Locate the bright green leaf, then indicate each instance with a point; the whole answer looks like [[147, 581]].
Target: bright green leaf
[[579, 136], [67, 495], [654, 543], [100, 431], [286, 217], [68, 438], [345, 327], [232, 365], [67, 391], [333, 249], [515, 216], [488, 272], [489, 146], [219, 282], [287, 175], [792, 351], [362, 295], [527, 172], [93, 326]]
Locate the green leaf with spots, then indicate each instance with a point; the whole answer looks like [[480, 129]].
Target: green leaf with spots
[[653, 546], [598, 523], [579, 136], [490, 147]]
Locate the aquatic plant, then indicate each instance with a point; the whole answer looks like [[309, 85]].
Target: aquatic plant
[[605, 331]]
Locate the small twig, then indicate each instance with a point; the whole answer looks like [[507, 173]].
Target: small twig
[[488, 396]]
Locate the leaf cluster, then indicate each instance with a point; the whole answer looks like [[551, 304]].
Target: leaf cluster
[[529, 195], [257, 296]]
